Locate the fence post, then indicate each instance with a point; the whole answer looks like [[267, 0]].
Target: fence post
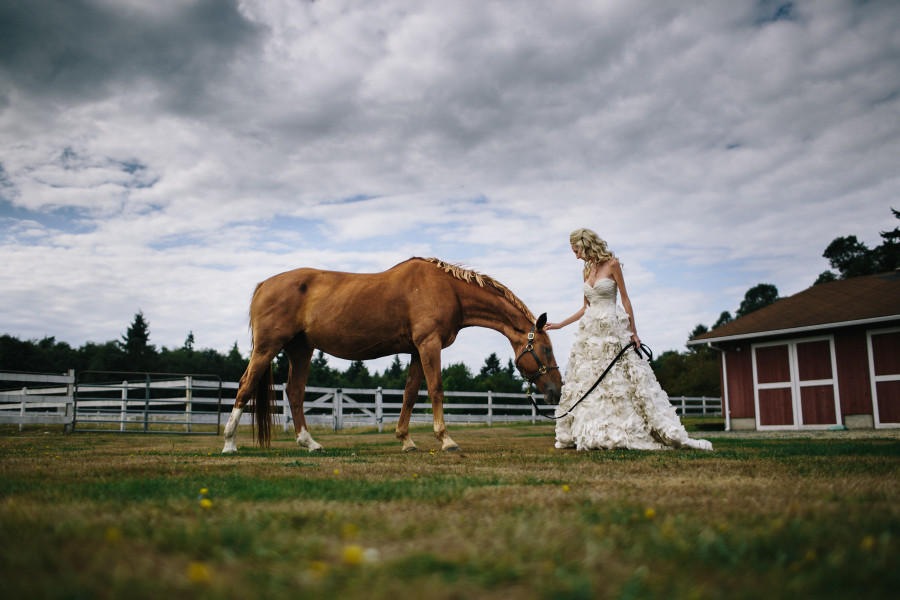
[[286, 411], [70, 403], [379, 410], [188, 399], [490, 415], [336, 411], [147, 403], [22, 409], [533, 414], [123, 418], [683, 406]]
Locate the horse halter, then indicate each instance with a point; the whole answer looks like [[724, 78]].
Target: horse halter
[[529, 349]]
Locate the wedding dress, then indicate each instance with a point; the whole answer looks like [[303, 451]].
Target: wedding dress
[[628, 409]]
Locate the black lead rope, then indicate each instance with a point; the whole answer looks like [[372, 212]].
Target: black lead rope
[[642, 348]]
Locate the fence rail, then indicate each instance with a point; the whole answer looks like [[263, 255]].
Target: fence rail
[[147, 403]]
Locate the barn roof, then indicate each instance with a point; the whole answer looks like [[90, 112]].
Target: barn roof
[[855, 301]]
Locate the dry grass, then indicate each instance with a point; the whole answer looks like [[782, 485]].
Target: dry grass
[[113, 516]]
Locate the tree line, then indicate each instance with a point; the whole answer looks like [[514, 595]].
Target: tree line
[[694, 373], [133, 352]]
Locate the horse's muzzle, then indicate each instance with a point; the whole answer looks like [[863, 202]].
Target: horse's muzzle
[[551, 393]]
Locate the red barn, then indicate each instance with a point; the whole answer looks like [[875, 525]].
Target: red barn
[[827, 356]]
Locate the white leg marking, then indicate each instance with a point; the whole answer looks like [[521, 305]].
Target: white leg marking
[[305, 440], [449, 445], [231, 431]]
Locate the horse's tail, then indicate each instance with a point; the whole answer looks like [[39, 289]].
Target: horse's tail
[[263, 399]]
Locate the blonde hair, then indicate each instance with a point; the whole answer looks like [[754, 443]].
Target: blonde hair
[[593, 249]]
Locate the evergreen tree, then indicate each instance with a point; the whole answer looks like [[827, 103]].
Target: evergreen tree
[[136, 344], [394, 377], [458, 378], [510, 368], [491, 365], [320, 374], [493, 377], [357, 376], [235, 364], [189, 342]]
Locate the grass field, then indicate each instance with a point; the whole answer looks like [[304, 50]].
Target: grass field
[[137, 516]]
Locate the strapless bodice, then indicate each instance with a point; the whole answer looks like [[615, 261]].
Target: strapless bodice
[[602, 293]]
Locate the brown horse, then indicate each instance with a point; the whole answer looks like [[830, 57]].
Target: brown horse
[[416, 307]]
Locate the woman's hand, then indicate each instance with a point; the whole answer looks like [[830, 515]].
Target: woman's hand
[[636, 339], [550, 326]]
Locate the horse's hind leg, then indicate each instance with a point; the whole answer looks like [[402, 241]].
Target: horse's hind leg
[[300, 355], [260, 362], [410, 393]]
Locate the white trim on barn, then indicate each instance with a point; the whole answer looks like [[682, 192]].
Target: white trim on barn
[[794, 384], [726, 407], [759, 334], [874, 379]]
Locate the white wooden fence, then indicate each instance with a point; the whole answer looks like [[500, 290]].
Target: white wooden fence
[[43, 399], [200, 405]]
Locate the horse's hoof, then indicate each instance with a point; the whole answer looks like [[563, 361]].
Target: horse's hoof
[[316, 449], [450, 449], [410, 449]]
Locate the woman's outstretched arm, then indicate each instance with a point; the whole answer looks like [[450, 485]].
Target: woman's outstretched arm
[[568, 321]]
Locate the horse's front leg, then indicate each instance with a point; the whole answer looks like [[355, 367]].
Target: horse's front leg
[[431, 365], [410, 393]]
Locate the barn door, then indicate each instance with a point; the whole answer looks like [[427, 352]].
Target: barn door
[[773, 386], [884, 373], [816, 383], [795, 384]]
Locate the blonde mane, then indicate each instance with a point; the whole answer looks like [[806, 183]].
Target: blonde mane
[[470, 276]]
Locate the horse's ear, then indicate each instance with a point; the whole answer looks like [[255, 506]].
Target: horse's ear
[[542, 320]]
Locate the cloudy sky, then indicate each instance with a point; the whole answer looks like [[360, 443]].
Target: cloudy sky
[[166, 156]]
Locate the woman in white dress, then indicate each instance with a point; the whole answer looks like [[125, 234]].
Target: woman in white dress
[[628, 409]]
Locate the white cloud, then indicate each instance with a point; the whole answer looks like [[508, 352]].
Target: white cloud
[[192, 149]]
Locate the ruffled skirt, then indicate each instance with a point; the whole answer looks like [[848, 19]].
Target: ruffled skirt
[[628, 409]]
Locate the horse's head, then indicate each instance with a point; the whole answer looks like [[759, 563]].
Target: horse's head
[[536, 363]]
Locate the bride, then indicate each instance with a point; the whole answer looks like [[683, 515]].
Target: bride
[[628, 409]]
